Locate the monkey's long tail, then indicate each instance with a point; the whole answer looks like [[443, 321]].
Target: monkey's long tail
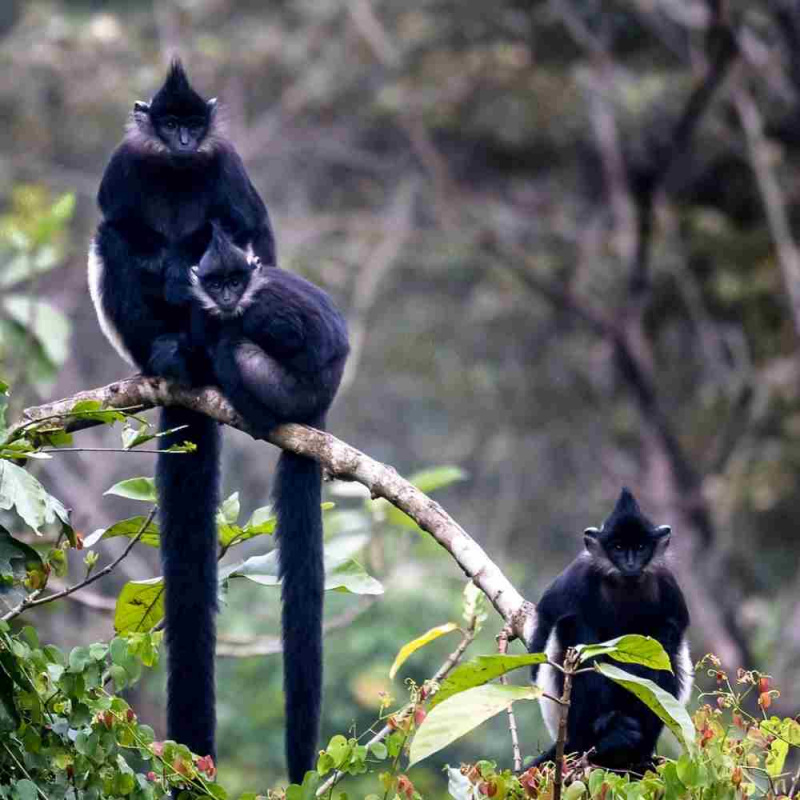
[[298, 489], [188, 495]]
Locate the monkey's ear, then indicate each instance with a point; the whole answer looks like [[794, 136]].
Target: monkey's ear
[[211, 105], [140, 107], [591, 542], [194, 278], [195, 268], [662, 535]]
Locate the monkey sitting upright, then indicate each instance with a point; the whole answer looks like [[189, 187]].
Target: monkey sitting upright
[[172, 174], [620, 584], [278, 345]]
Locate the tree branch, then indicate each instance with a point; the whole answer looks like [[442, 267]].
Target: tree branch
[[337, 457]]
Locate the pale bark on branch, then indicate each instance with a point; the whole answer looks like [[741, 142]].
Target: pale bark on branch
[[338, 458]]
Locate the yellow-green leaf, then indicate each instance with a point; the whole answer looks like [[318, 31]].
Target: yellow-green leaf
[[411, 647]]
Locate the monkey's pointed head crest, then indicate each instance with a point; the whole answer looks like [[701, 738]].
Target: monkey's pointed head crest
[[176, 96], [626, 503]]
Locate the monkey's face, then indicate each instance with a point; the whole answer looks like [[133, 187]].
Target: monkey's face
[[628, 549], [182, 135], [226, 290]]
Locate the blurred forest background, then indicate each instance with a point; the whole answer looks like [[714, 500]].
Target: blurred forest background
[[565, 234]]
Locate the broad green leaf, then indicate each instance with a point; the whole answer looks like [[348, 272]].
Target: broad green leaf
[[129, 528], [308, 791], [575, 790], [350, 576], [260, 516], [415, 644], [459, 715], [44, 321], [25, 790], [630, 649], [481, 670], [660, 702], [79, 659], [140, 606], [20, 490], [143, 489]]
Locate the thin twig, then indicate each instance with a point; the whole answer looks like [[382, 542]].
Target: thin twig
[[570, 662], [32, 603], [407, 710], [502, 648]]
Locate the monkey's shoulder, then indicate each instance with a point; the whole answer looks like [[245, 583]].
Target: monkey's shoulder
[[281, 299]]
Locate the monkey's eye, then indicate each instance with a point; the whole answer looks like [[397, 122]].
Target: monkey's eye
[[214, 284], [235, 283], [618, 547], [639, 547], [170, 125]]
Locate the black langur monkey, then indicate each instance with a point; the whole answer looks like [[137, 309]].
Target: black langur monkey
[[278, 347], [173, 172], [619, 584]]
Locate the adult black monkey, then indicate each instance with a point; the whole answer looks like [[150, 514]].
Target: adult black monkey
[[620, 584], [173, 172], [278, 347]]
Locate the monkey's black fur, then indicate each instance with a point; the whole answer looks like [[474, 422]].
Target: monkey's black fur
[[278, 347], [172, 174], [618, 585]]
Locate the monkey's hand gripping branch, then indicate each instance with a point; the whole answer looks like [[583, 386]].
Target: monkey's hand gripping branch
[[337, 457]]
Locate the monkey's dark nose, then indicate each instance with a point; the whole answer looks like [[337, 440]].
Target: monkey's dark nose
[[184, 136]]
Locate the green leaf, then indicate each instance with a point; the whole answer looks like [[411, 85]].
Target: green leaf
[[228, 512], [776, 757], [140, 606], [79, 659], [429, 480], [630, 649], [128, 528], [379, 750], [63, 209], [575, 790], [143, 489], [16, 560], [134, 437], [308, 791], [415, 644], [345, 576], [459, 715], [44, 322], [20, 490], [660, 702], [481, 670], [25, 790]]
